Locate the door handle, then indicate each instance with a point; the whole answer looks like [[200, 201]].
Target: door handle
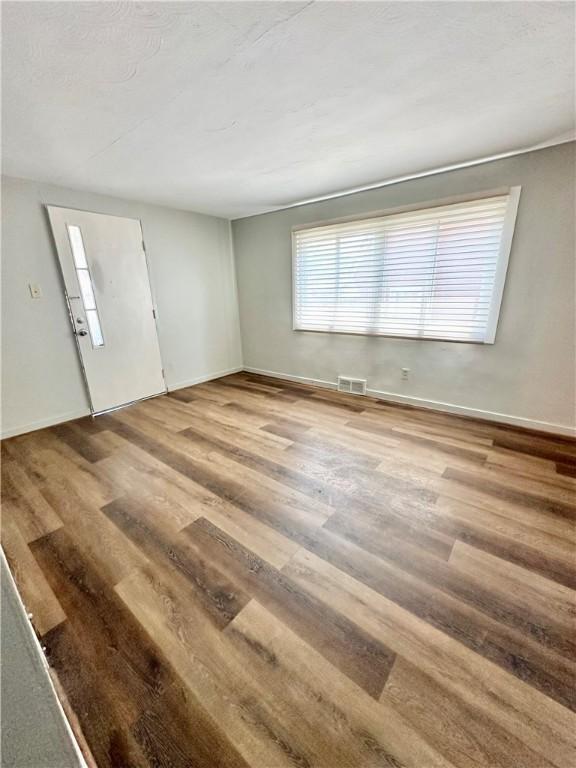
[[82, 332]]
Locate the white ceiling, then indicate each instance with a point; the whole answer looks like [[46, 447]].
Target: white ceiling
[[234, 108]]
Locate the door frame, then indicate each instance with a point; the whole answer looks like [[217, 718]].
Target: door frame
[[93, 412]]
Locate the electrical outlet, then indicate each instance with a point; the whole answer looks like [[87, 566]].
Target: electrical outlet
[[405, 374], [35, 291]]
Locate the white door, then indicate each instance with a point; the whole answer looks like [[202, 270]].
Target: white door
[[108, 292]]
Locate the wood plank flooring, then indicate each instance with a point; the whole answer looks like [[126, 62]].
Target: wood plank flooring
[[256, 573]]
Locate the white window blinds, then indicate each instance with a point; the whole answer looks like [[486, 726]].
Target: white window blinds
[[434, 273]]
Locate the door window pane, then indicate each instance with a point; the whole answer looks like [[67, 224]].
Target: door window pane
[[94, 328], [86, 289], [85, 285], [77, 246]]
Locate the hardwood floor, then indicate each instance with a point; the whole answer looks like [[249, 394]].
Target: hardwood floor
[[251, 572]]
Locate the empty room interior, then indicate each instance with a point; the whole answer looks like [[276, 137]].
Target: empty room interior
[[288, 384]]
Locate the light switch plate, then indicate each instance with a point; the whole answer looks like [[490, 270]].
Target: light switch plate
[[35, 291]]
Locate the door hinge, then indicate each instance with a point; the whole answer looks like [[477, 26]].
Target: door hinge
[[143, 245], [154, 314]]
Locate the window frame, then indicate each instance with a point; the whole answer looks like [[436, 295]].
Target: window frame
[[501, 268]]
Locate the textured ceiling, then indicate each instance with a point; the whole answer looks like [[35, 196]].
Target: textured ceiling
[[233, 108]]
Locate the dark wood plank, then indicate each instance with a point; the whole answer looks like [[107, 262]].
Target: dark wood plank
[[435, 572], [466, 736], [523, 498], [470, 678], [308, 478], [37, 596], [562, 452], [183, 395], [537, 560], [128, 664], [513, 651], [79, 440], [476, 456], [24, 504], [221, 599], [351, 650], [176, 731], [106, 733], [569, 470]]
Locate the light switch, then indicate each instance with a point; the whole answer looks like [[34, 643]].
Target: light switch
[[35, 291]]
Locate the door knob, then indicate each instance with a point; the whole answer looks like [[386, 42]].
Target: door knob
[[82, 332]]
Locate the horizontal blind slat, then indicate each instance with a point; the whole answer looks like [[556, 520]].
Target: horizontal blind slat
[[427, 273]]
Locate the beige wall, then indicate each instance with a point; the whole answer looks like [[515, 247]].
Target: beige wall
[[526, 377], [193, 280]]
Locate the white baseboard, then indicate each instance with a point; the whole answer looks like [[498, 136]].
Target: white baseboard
[[435, 405], [477, 413], [202, 379], [296, 379], [71, 415], [50, 421]]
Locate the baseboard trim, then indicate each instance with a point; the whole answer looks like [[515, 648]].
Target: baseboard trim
[[291, 377], [202, 379], [51, 421], [436, 405], [476, 413], [392, 397]]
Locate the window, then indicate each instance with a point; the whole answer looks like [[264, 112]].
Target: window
[[85, 285], [432, 273]]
